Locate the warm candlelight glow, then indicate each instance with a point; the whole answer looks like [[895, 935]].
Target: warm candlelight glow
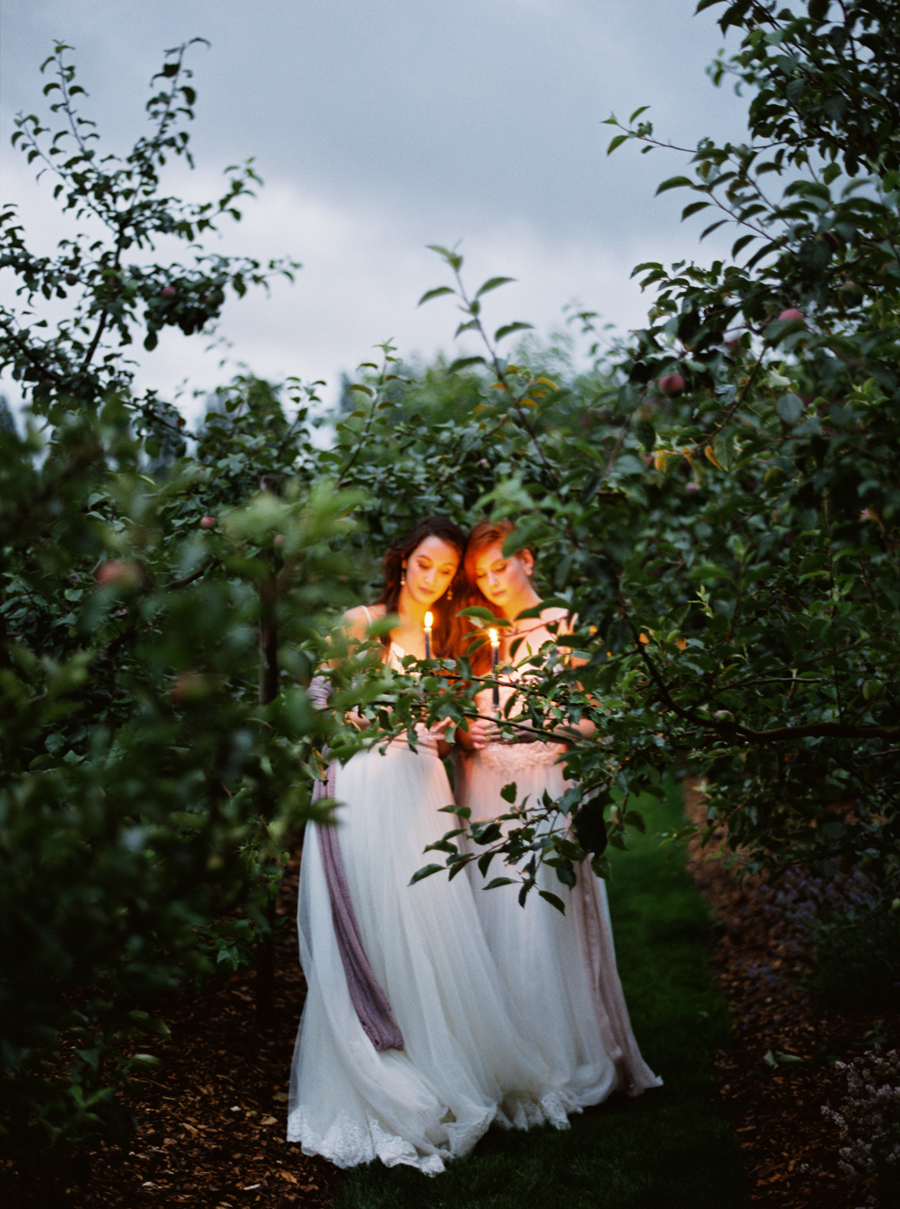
[[495, 640], [428, 623]]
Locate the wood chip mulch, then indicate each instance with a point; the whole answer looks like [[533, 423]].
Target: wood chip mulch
[[779, 1072]]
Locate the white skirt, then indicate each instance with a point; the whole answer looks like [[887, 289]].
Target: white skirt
[[464, 1064], [559, 971]]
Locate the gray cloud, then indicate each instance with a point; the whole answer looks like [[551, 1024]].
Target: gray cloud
[[383, 126]]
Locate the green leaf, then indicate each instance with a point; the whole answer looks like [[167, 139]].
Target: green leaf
[[675, 182], [616, 142], [499, 881], [453, 259], [637, 113], [871, 689], [425, 871], [492, 284], [471, 326], [463, 363], [788, 1059], [646, 434], [790, 408], [508, 792], [482, 614], [435, 293], [554, 901], [694, 208], [509, 328]]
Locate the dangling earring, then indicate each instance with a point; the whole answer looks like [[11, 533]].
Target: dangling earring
[[449, 593], [403, 577]]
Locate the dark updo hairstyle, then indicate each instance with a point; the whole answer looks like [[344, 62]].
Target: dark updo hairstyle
[[448, 628]]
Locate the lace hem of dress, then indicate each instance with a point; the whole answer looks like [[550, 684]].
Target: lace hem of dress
[[347, 1143], [523, 1112]]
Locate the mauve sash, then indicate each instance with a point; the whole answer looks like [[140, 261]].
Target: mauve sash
[[596, 942], [368, 998]]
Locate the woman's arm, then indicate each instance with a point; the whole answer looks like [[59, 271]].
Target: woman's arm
[[566, 623], [355, 623]]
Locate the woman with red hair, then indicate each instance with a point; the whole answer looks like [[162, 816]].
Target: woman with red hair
[[559, 971]]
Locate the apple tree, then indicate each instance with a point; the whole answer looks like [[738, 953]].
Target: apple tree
[[150, 772]]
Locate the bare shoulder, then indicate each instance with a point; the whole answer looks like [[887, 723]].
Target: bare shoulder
[[562, 617], [356, 620]]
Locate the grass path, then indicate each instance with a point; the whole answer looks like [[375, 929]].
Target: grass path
[[668, 1149]]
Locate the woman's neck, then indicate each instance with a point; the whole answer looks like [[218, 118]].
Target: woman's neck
[[411, 612], [524, 600]]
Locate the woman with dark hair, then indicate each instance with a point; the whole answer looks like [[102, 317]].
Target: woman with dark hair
[[559, 971], [405, 1051]]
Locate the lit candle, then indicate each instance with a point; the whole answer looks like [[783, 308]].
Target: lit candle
[[429, 621], [495, 657]]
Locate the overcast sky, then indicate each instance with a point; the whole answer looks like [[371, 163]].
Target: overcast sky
[[380, 126]]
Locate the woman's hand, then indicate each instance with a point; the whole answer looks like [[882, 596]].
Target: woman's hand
[[481, 732]]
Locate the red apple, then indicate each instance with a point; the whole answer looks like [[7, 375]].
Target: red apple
[[71, 279], [672, 384], [792, 314], [191, 686], [278, 539], [208, 522], [118, 573], [168, 291]]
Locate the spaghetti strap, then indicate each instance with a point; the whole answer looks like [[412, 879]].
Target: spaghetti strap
[[365, 609]]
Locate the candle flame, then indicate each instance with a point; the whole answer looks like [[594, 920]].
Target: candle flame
[[495, 641], [429, 620]]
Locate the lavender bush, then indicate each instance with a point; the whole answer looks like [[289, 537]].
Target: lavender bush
[[869, 1121]]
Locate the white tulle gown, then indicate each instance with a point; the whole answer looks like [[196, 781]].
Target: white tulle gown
[[559, 971], [464, 1065]]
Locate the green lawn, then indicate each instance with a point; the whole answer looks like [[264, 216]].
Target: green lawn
[[667, 1149]]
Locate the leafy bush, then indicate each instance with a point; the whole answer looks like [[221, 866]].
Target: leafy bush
[[147, 783]]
